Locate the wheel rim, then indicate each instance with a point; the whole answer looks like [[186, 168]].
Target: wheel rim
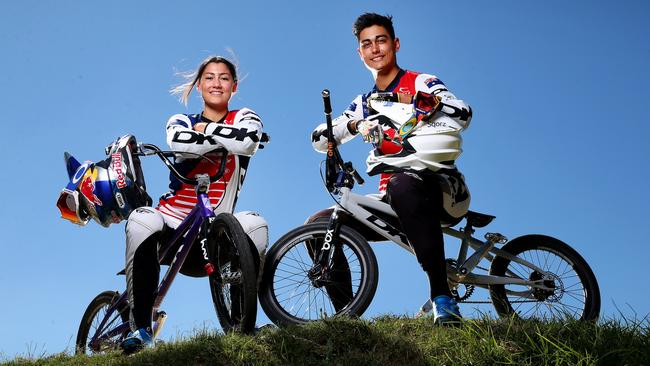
[[566, 296], [301, 297]]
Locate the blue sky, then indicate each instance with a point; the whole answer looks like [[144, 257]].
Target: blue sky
[[558, 144]]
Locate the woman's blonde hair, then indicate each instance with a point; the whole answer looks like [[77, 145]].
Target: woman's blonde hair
[[193, 77]]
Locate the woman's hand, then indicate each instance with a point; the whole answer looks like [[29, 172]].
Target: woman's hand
[[200, 127]]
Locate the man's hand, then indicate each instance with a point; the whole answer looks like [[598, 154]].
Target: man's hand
[[370, 130]]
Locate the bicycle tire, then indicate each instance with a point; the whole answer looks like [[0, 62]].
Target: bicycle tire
[[573, 280], [91, 319], [233, 284], [286, 254]]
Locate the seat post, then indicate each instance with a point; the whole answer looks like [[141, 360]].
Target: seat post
[[468, 230]]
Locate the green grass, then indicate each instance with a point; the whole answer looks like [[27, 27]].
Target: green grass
[[400, 341]]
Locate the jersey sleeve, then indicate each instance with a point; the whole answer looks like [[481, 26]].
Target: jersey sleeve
[[240, 138], [453, 107], [342, 133]]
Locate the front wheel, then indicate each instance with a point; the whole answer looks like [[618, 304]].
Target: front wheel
[[290, 293], [233, 284], [571, 287], [96, 324]]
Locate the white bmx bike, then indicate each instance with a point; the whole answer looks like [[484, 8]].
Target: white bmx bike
[[327, 268]]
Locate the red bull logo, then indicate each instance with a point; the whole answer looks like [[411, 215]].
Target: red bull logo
[[87, 188], [118, 167]]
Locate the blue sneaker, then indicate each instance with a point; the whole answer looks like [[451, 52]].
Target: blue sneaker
[[136, 341], [445, 310]]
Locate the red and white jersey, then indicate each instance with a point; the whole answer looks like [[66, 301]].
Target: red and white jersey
[[453, 112], [239, 132]]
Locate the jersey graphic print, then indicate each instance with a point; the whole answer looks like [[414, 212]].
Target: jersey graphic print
[[239, 132]]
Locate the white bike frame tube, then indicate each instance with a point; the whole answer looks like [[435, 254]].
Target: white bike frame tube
[[351, 203]]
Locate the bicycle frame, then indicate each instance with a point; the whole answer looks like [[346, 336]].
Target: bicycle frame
[[355, 205], [182, 241]]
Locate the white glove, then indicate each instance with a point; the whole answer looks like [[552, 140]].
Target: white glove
[[369, 130]]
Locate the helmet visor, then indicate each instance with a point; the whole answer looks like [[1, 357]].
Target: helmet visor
[[426, 103], [68, 204]]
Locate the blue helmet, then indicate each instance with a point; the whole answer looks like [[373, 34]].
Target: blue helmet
[[106, 191]]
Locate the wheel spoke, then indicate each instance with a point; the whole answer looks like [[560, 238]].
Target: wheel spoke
[[296, 293], [564, 292]]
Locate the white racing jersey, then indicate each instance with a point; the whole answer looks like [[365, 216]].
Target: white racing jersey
[[239, 132], [433, 145]]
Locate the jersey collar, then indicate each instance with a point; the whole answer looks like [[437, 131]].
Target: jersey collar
[[392, 85], [205, 119]]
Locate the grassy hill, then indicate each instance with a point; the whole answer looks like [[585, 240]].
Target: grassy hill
[[400, 341]]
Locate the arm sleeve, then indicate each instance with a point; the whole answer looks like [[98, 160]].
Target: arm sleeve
[[342, 133], [453, 107], [243, 136], [240, 138]]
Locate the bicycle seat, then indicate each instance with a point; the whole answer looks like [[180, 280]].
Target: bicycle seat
[[477, 219]]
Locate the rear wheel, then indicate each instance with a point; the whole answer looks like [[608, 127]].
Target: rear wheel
[[290, 291], [571, 287], [91, 325], [233, 284]]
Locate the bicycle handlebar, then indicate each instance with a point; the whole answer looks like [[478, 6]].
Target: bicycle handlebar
[[150, 149], [326, 102], [334, 161]]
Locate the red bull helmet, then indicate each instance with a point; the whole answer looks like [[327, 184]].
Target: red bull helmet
[[106, 191]]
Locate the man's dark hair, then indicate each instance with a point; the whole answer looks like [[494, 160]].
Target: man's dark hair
[[369, 19]]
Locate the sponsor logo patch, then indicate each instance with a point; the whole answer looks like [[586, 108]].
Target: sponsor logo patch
[[118, 168], [87, 188], [431, 82]]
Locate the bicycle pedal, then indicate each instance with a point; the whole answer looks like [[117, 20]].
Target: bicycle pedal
[[496, 238], [425, 309]]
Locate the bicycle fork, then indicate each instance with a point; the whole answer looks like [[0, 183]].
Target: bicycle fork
[[205, 229], [319, 273]]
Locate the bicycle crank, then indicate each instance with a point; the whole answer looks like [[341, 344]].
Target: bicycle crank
[[159, 322]]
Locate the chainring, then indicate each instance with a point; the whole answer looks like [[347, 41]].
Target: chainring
[[469, 289]]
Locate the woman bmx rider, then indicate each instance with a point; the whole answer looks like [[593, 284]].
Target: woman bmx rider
[[216, 126]]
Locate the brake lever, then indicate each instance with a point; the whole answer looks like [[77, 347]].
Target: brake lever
[[349, 168]]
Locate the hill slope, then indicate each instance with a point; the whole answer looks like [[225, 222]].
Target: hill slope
[[400, 341]]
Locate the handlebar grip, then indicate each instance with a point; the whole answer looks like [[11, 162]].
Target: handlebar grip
[[326, 101], [357, 177]]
